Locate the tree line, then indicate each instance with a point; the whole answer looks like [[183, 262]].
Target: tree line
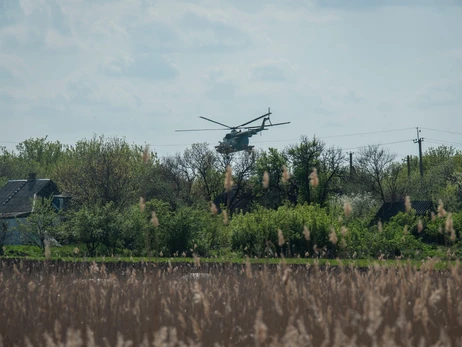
[[119, 189]]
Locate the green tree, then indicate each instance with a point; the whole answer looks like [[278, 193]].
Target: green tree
[[41, 224], [13, 167], [271, 162], [203, 163], [99, 171], [97, 225], [242, 166], [372, 167], [442, 176], [328, 162], [331, 171], [41, 155], [304, 157]]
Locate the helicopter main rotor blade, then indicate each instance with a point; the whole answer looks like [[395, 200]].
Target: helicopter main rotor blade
[[210, 120], [267, 125], [275, 124], [182, 130], [253, 120]]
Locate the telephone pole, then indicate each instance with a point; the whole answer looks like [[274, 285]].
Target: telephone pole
[[419, 141]]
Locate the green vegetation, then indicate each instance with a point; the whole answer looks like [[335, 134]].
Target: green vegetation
[[301, 202]]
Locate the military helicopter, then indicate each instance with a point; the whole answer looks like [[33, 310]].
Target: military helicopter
[[238, 140]]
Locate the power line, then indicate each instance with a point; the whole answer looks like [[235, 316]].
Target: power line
[[379, 144], [366, 133], [443, 141], [443, 131], [287, 140], [343, 135], [290, 140]]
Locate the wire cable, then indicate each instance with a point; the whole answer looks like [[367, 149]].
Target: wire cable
[[367, 133], [443, 131], [442, 141], [378, 144], [344, 135], [287, 140]]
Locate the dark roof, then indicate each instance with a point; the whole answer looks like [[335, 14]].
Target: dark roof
[[16, 195], [390, 209]]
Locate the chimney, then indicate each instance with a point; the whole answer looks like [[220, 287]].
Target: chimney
[[31, 177]]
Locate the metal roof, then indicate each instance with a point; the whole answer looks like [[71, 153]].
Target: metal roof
[[390, 209], [16, 195]]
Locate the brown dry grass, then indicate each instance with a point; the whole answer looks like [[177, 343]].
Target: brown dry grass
[[147, 304]]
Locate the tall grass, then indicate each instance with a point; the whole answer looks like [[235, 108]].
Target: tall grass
[[148, 304]]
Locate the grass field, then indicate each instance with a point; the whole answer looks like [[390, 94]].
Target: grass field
[[66, 253], [59, 303]]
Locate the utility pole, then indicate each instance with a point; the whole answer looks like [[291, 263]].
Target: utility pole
[[419, 141]]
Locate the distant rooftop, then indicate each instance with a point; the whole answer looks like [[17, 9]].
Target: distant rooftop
[[390, 209], [16, 195]]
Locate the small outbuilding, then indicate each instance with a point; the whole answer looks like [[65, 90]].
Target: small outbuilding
[[390, 209]]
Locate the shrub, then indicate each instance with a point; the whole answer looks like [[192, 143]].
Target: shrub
[[256, 233]]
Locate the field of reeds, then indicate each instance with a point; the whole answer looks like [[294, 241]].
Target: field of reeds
[[53, 303]]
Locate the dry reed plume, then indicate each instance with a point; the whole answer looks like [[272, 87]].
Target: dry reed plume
[[225, 217], [213, 208], [146, 304], [407, 203], [265, 180], [154, 219], [420, 226], [285, 174], [142, 204], [314, 179], [146, 155], [280, 238], [347, 209], [228, 179]]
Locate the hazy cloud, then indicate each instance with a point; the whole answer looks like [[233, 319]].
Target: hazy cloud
[[441, 93], [142, 68], [274, 71], [145, 66]]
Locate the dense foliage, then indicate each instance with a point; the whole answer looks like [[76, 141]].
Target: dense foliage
[[304, 201]]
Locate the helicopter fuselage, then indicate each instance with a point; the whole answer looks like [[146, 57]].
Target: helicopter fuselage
[[234, 142]]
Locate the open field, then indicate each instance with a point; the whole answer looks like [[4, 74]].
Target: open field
[[161, 304]]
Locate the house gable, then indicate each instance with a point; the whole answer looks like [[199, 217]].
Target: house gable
[[16, 195]]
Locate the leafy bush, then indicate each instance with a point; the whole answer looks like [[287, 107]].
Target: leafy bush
[[256, 233], [190, 229], [397, 238]]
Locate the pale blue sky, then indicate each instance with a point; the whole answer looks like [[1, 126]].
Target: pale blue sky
[[141, 69]]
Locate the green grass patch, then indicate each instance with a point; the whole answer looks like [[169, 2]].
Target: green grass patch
[[67, 253]]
